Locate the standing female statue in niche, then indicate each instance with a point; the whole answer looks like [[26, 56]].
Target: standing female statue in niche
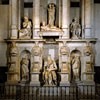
[[76, 64], [26, 31], [51, 15], [25, 70]]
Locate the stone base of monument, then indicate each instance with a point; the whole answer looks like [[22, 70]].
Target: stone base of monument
[[35, 79], [12, 78], [88, 76], [65, 79], [86, 90], [10, 88]]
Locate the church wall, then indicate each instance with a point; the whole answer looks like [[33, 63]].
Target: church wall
[[97, 32], [4, 20]]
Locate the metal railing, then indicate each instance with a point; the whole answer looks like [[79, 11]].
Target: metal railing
[[27, 92]]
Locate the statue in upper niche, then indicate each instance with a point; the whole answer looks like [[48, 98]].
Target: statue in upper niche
[[51, 14], [75, 29], [51, 20], [26, 31]]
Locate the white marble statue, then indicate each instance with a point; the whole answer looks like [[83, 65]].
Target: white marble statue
[[76, 64], [51, 20], [49, 73], [51, 14], [26, 31], [75, 29], [25, 69]]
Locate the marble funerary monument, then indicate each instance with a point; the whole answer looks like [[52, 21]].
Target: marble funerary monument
[[44, 53]]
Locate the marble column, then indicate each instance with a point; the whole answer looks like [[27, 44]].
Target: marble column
[[14, 19], [60, 13], [65, 17], [82, 18], [87, 18], [19, 14], [36, 18]]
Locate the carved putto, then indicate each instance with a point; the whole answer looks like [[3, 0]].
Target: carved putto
[[13, 49], [36, 50], [88, 49], [64, 49]]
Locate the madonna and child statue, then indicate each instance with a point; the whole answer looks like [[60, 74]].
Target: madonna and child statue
[[51, 18]]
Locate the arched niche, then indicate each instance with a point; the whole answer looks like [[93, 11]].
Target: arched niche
[[25, 53], [25, 62], [75, 62]]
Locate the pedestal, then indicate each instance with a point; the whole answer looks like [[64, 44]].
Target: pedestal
[[88, 84], [12, 78], [86, 90], [88, 77], [35, 79], [65, 79]]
